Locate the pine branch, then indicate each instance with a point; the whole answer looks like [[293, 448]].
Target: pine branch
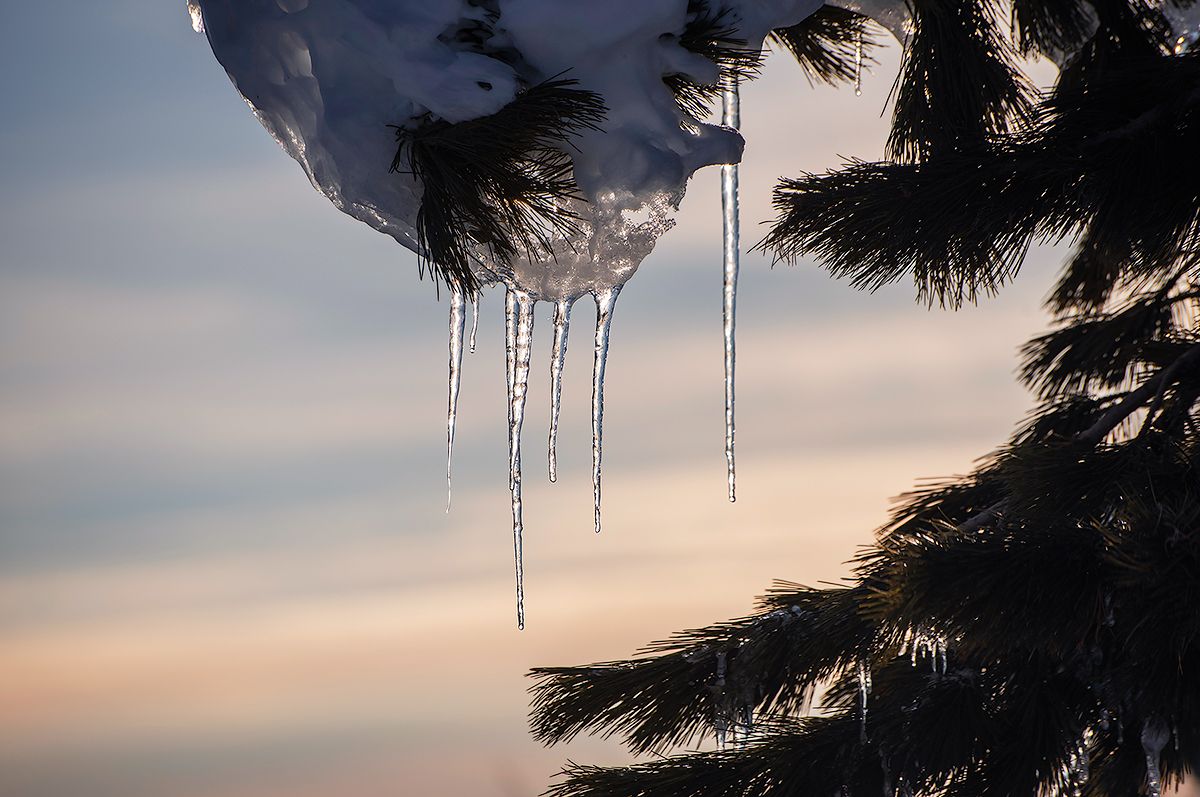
[[670, 697], [1094, 166], [959, 86], [493, 187], [827, 45], [713, 35]]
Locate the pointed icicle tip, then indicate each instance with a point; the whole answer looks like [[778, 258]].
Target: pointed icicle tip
[[474, 319]]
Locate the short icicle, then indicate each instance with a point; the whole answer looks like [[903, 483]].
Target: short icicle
[[474, 320], [606, 301], [864, 692], [1154, 738], [562, 326], [519, 344], [730, 117], [858, 62], [458, 319]]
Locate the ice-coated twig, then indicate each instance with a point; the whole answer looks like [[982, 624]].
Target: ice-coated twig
[[562, 327], [458, 321], [606, 302], [730, 117]]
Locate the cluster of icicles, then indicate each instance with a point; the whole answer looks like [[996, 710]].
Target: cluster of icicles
[[518, 345]]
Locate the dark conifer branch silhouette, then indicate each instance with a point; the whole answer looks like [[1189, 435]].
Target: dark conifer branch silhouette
[[1033, 627], [826, 44], [492, 187]]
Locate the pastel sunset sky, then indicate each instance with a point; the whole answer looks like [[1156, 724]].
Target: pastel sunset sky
[[225, 565]]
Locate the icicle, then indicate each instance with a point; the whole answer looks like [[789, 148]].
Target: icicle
[[746, 728], [519, 342], [720, 712], [1080, 766], [510, 362], [457, 325], [730, 117], [864, 691], [1154, 738], [474, 320], [942, 654], [562, 325], [858, 62], [606, 301]]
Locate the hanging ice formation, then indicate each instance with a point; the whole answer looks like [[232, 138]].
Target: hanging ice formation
[[330, 80], [458, 323], [864, 692], [731, 116], [1155, 735]]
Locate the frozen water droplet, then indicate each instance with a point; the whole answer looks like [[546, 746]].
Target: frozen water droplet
[[474, 319], [858, 62], [458, 319], [730, 117], [562, 326], [519, 344], [606, 302]]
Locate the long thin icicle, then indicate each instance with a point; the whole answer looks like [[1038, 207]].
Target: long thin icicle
[[518, 347], [606, 301], [562, 326], [458, 320], [730, 117]]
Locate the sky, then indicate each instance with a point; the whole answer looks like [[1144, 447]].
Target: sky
[[225, 562]]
